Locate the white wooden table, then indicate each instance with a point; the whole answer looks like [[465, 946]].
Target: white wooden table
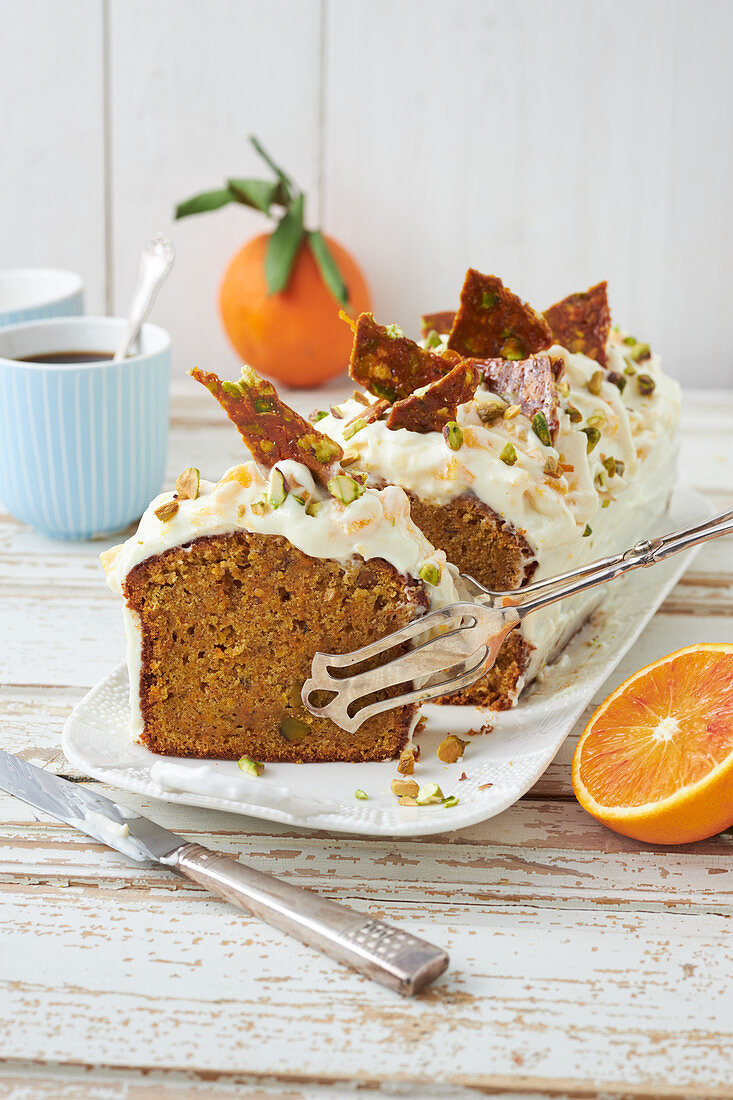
[[583, 964]]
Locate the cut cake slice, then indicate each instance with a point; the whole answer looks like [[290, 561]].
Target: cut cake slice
[[231, 588]]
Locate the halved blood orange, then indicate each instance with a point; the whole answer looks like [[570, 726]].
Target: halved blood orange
[[655, 762]]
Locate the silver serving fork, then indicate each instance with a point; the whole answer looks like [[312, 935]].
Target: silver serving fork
[[456, 645]]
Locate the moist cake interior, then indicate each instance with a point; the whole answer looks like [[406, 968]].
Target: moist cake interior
[[229, 629], [482, 545]]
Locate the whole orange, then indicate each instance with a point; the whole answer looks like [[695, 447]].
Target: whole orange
[[295, 336]]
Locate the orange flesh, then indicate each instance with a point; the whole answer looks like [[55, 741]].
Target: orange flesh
[[668, 730]]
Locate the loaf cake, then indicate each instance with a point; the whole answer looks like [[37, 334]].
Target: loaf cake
[[528, 444], [231, 588]]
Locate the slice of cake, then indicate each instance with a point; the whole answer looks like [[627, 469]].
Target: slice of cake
[[231, 588], [555, 445]]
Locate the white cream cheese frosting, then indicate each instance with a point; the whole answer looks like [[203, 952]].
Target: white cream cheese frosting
[[567, 521], [375, 525]]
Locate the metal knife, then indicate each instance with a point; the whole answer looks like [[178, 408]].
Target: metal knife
[[378, 950]]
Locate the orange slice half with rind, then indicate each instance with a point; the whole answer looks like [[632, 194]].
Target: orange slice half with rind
[[655, 761]]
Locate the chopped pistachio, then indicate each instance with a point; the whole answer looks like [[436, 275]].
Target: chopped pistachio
[[628, 369], [630, 340], [294, 696], [513, 349], [317, 415], [336, 412], [593, 436], [313, 507], [599, 479], [354, 427], [232, 389], [406, 801], [394, 331], [259, 506], [595, 381], [406, 763], [450, 801], [508, 455], [597, 419], [588, 531], [323, 450], [402, 787], [429, 572], [563, 388], [489, 299], [541, 429], [575, 414], [453, 436], [350, 457], [620, 467], [432, 340], [361, 795], [490, 410], [187, 485], [552, 467], [428, 793], [451, 748], [646, 385], [277, 492], [294, 730], [345, 488], [252, 767], [605, 503], [610, 464], [511, 411], [617, 379], [362, 398], [166, 511], [641, 352]]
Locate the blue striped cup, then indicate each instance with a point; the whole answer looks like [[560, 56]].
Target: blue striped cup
[[30, 293], [82, 445]]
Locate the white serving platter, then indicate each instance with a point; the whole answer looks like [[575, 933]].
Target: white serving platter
[[500, 766]]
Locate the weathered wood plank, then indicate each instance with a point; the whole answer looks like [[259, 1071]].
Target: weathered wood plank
[[34, 1081], [115, 981], [543, 853]]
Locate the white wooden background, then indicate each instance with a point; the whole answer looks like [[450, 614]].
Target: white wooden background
[[552, 141]]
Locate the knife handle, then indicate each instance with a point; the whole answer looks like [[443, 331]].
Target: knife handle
[[378, 950]]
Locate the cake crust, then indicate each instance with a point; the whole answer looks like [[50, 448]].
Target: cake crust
[[229, 626]]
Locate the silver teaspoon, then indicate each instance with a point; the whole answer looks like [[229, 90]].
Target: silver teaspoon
[[155, 263]]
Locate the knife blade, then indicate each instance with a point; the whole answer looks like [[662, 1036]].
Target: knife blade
[[100, 818], [380, 951]]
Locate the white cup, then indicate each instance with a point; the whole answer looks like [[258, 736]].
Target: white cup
[[29, 293]]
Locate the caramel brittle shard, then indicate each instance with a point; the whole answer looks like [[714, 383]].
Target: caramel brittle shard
[[529, 383], [442, 321], [432, 410], [390, 365], [271, 430], [492, 322], [581, 322], [372, 413]]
